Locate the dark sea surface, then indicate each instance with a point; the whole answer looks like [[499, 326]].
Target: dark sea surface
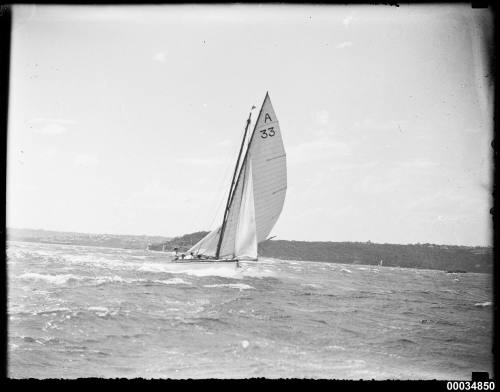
[[81, 311]]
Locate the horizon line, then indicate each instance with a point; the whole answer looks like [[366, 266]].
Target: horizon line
[[178, 236]]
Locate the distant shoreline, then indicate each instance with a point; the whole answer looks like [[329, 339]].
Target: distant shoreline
[[27, 241], [420, 256]]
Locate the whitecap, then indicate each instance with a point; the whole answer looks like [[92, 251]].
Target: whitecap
[[172, 281], [312, 285], [51, 311], [52, 279], [16, 253], [333, 347], [224, 270], [257, 273], [103, 262], [113, 279], [240, 286], [100, 311], [483, 304]]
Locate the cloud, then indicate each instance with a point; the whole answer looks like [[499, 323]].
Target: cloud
[[419, 163], [49, 154], [160, 57], [348, 20], [224, 143], [452, 218], [196, 161], [447, 206], [322, 117], [375, 125], [474, 131], [343, 167], [22, 188], [85, 160], [344, 45], [156, 195], [50, 126], [343, 211], [52, 129], [316, 150]]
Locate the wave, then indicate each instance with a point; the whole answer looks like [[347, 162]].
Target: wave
[[119, 279], [172, 281], [312, 285], [334, 347], [205, 321], [299, 269], [60, 279], [404, 341], [199, 270], [483, 304], [103, 262], [16, 253], [141, 263], [101, 311], [240, 286], [22, 312]]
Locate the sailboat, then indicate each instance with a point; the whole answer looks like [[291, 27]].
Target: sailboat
[[256, 194]]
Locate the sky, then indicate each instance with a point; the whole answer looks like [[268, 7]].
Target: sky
[[128, 119]]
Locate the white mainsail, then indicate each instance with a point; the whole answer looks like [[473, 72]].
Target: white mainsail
[[268, 158], [258, 195]]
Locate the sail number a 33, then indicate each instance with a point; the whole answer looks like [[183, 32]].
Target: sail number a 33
[[267, 132]]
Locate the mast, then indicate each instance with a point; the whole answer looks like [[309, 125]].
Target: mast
[[231, 188], [230, 197]]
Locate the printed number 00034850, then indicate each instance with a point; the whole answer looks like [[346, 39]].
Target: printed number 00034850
[[267, 132], [467, 385]]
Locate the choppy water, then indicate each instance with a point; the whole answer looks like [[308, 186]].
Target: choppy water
[[79, 311]]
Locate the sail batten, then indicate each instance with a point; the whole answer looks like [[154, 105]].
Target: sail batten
[[279, 156], [258, 193]]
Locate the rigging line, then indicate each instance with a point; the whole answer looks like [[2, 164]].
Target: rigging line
[[223, 179], [240, 168], [233, 184], [196, 218], [223, 197], [220, 195]]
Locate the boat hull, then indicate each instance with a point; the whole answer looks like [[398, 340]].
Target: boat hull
[[204, 261]]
